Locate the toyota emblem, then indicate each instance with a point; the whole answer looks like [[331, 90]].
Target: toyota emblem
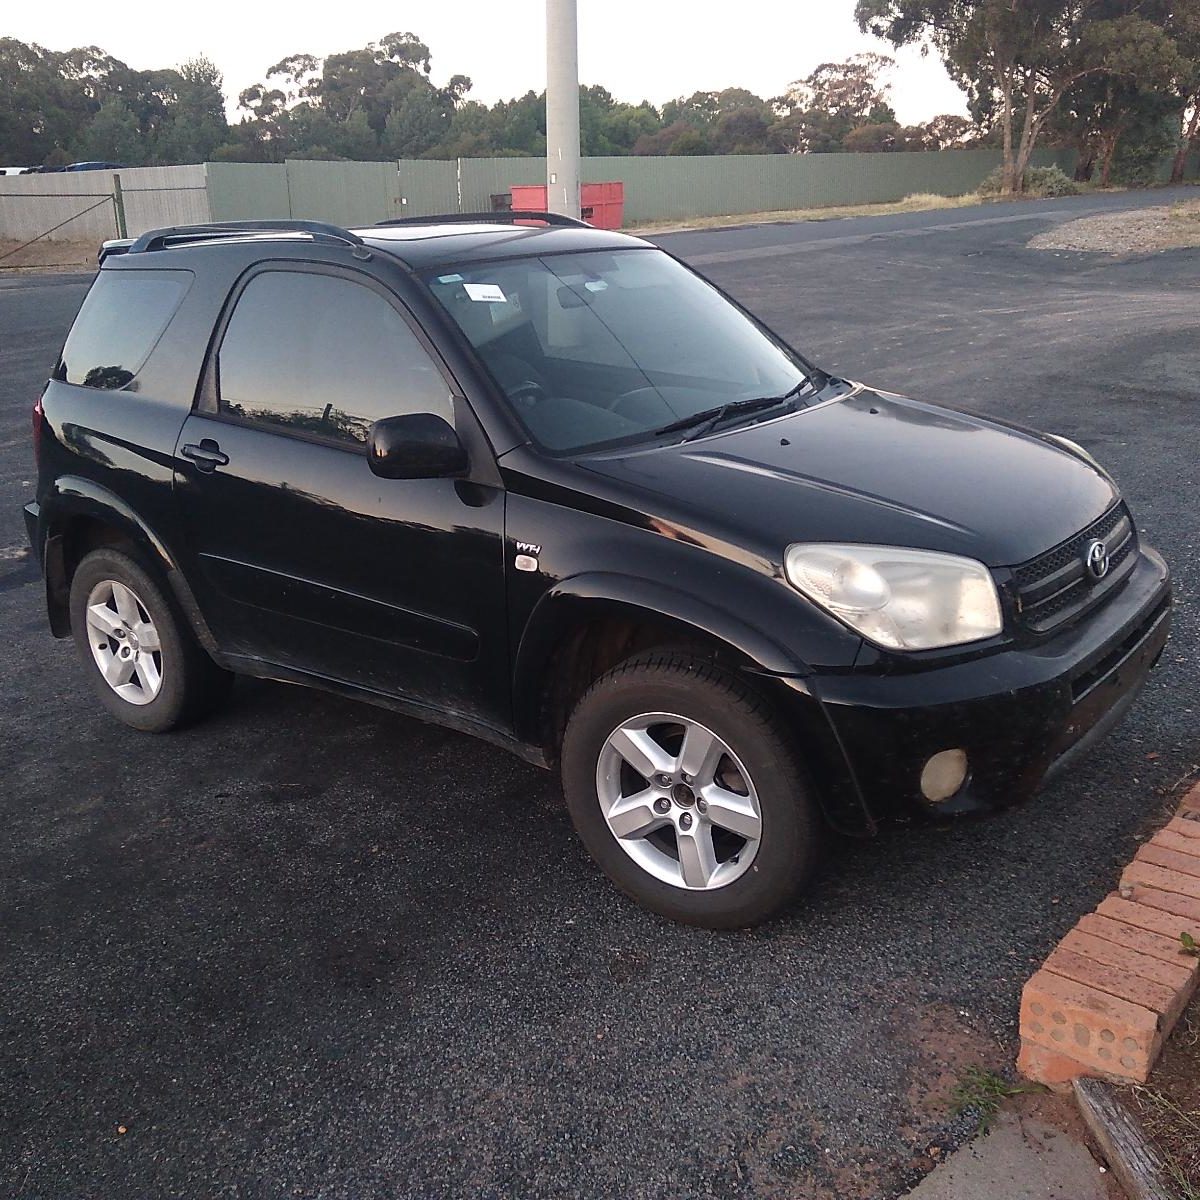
[[1097, 559]]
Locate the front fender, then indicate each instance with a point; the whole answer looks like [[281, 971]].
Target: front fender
[[597, 594], [781, 673]]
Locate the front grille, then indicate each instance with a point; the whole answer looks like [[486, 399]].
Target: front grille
[[1056, 586]]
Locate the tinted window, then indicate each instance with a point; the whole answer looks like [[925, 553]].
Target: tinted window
[[122, 318], [323, 355], [596, 348]]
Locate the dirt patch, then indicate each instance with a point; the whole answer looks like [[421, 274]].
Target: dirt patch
[[46, 255], [948, 1045], [918, 202], [1134, 231], [1169, 1106]]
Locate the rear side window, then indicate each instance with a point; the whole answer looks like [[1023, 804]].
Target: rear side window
[[323, 356], [122, 318]]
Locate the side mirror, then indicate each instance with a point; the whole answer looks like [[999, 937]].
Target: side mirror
[[415, 446]]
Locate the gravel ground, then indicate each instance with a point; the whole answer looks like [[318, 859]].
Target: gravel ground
[[313, 949], [1144, 231]]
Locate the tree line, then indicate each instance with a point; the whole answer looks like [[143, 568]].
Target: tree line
[[1117, 79]]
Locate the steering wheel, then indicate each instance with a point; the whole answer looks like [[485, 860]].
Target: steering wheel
[[526, 395]]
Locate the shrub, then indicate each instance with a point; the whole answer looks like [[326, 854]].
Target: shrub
[[1050, 181], [1039, 181], [993, 185]]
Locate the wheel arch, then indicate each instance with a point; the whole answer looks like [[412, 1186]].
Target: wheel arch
[[606, 616], [80, 515], [584, 626]]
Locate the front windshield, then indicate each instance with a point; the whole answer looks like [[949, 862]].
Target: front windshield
[[601, 348]]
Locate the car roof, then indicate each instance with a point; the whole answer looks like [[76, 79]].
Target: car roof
[[415, 245], [421, 246]]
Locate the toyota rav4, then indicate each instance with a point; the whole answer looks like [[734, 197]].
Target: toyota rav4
[[546, 485]]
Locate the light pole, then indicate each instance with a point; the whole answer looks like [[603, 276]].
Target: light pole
[[562, 107]]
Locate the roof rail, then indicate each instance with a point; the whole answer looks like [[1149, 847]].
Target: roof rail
[[490, 218], [320, 231]]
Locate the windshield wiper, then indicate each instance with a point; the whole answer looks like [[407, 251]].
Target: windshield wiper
[[700, 423]]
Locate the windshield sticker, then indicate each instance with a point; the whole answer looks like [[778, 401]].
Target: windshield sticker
[[449, 279], [596, 285], [489, 292]]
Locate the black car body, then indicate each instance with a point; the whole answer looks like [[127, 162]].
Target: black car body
[[493, 595]]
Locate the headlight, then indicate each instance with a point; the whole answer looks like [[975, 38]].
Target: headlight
[[901, 599]]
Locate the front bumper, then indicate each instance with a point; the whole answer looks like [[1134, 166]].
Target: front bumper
[[1018, 714]]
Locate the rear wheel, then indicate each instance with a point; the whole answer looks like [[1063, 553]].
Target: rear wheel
[[145, 665], [687, 792]]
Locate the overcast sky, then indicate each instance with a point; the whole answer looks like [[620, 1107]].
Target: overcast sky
[[638, 49]]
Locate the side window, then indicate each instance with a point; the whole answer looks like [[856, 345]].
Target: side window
[[323, 355], [121, 319]]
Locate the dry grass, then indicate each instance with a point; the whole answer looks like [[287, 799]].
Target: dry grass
[[46, 255], [1183, 223], [918, 202], [1170, 1106]]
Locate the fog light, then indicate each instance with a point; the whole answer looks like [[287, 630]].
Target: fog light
[[943, 775]]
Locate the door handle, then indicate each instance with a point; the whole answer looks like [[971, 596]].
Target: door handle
[[207, 455]]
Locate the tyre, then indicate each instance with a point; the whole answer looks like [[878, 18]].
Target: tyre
[[143, 662], [686, 791]]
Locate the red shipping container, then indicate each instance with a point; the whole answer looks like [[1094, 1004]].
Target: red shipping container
[[602, 204]]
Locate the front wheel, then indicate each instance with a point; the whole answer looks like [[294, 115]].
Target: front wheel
[[687, 792]]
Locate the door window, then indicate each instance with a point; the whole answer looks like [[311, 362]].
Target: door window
[[323, 356]]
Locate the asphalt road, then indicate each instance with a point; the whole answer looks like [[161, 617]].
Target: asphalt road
[[314, 949]]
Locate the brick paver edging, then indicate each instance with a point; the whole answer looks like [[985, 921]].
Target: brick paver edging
[[1109, 994]]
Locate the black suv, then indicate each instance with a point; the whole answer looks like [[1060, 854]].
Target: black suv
[[546, 485]]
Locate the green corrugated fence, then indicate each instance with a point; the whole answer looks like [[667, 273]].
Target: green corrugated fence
[[656, 189]]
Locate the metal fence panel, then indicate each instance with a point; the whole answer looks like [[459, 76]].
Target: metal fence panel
[[671, 188], [158, 196], [427, 186], [346, 193], [483, 178], [32, 204], [247, 191]]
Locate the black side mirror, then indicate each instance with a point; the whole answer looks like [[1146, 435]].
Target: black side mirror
[[416, 446]]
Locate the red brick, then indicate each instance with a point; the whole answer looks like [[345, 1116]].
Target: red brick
[[1169, 838], [1174, 973], [1070, 964], [1160, 878], [1159, 938], [1191, 802], [1184, 826], [1184, 909], [1103, 1032], [1157, 854], [1050, 1067]]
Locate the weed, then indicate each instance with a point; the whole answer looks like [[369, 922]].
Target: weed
[[1189, 944], [1173, 1127], [982, 1092]]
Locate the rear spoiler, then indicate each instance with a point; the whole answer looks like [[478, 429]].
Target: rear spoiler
[[113, 246]]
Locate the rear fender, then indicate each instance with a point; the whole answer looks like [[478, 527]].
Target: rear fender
[[72, 499]]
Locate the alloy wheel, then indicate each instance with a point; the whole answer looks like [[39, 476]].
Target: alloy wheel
[[124, 642], [679, 801]]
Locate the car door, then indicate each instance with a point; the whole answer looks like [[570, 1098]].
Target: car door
[[303, 557]]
